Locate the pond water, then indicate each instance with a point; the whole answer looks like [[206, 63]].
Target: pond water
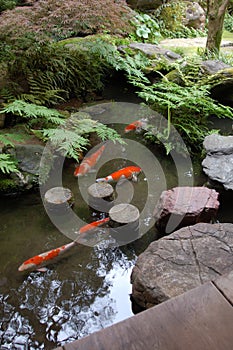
[[88, 289]]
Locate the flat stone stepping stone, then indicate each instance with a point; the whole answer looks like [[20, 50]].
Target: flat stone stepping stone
[[58, 198], [124, 220], [183, 206], [182, 261], [100, 196], [218, 164]]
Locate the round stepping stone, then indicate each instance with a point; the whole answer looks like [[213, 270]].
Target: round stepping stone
[[124, 222], [58, 198], [100, 196]]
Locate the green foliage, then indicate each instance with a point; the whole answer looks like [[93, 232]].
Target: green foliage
[[34, 113], [46, 73], [7, 5], [182, 32], [7, 164], [189, 106], [171, 18], [228, 22], [186, 101], [9, 139], [7, 185], [73, 137], [146, 29]]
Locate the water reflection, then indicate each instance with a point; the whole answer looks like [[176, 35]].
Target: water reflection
[[84, 291], [80, 294]]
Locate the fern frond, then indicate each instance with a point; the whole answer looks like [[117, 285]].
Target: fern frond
[[9, 139], [7, 165], [30, 111]]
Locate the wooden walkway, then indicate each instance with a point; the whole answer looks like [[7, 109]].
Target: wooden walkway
[[201, 319]]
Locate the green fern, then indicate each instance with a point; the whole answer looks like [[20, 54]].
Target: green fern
[[32, 111], [7, 165], [9, 139], [73, 137]]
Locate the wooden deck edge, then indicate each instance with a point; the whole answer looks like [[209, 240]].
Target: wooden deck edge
[[198, 319]]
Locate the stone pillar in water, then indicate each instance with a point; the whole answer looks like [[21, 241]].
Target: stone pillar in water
[[58, 199], [100, 197], [124, 222]]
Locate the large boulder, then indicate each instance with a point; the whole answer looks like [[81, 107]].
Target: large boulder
[[183, 206], [195, 16], [218, 164], [181, 261]]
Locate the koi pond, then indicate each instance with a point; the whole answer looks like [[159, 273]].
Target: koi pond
[[89, 288]]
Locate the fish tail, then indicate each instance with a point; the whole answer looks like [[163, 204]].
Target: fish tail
[[76, 171]]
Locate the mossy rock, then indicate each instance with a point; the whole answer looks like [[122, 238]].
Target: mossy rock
[[172, 14], [8, 186]]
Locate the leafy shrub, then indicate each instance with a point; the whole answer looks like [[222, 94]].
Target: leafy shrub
[[146, 28], [171, 18], [7, 5], [228, 22], [61, 19], [49, 72]]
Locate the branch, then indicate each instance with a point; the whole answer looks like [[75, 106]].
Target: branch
[[222, 8]]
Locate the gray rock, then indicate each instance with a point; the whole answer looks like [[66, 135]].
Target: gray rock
[[28, 157], [195, 16], [183, 206], [181, 261], [214, 66], [153, 50], [218, 164]]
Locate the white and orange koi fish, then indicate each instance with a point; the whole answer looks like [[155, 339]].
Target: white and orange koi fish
[[39, 261], [130, 173], [137, 125], [88, 163]]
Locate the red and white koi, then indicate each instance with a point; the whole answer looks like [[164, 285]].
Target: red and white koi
[[137, 125], [130, 173], [88, 163], [39, 261]]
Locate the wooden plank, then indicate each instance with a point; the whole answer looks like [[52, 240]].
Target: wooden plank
[[225, 285], [199, 319]]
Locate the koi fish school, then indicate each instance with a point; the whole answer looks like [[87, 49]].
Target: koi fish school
[[39, 261]]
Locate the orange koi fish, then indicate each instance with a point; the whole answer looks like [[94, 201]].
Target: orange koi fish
[[88, 163], [138, 125], [39, 261], [130, 173]]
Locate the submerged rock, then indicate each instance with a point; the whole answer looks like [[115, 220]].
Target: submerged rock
[[183, 206], [181, 261], [218, 164]]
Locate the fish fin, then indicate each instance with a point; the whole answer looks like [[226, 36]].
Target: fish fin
[[134, 178], [42, 269], [101, 179]]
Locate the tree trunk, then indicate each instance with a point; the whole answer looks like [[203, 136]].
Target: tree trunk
[[216, 13]]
